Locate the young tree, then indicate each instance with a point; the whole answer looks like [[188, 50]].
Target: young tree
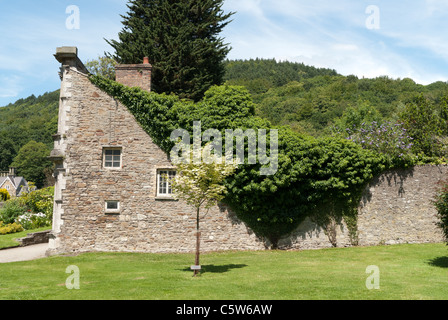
[[201, 184], [181, 40], [103, 66]]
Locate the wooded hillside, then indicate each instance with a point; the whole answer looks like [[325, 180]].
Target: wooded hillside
[[311, 100], [28, 125]]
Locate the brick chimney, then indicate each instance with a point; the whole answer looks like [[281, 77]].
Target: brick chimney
[[135, 75]]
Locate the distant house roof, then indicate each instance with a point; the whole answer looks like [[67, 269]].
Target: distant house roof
[[17, 183]]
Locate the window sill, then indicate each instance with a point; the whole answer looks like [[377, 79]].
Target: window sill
[[112, 212], [165, 198]]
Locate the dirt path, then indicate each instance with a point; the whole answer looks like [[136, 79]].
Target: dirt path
[[23, 253]]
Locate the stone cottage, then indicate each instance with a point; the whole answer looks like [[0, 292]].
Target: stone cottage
[[111, 194], [14, 184], [110, 191]]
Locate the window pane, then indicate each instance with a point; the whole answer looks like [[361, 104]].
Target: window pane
[[164, 178], [112, 158], [112, 205]]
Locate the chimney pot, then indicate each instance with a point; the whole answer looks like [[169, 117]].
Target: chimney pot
[[145, 60], [12, 171]]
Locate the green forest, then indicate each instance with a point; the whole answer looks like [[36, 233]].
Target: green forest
[[314, 101]]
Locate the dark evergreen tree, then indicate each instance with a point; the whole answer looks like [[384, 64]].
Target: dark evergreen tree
[[181, 40]]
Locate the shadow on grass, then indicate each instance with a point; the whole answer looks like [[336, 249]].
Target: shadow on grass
[[441, 262], [217, 269]]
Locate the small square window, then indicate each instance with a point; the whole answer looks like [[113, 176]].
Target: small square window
[[112, 158], [164, 178], [112, 206]]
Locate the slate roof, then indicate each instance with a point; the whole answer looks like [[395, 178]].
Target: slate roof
[[16, 181]]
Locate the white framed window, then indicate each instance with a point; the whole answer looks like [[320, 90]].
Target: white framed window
[[7, 187], [164, 178], [112, 158], [112, 206]]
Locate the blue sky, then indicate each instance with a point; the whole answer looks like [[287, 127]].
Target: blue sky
[[396, 38]]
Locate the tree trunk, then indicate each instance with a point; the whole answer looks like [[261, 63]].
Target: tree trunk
[[198, 240]]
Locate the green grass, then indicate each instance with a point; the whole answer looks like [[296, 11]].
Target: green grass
[[407, 272], [9, 240]]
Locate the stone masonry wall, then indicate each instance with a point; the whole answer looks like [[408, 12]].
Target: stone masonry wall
[[396, 207]]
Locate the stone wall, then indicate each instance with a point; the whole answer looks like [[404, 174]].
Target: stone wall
[[34, 238], [396, 207]]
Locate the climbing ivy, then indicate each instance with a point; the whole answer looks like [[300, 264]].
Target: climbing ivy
[[318, 178]]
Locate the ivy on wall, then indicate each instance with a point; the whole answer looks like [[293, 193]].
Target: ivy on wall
[[320, 178]]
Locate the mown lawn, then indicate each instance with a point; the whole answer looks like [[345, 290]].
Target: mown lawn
[[406, 272]]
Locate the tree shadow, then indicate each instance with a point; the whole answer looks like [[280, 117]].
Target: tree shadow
[[441, 262], [217, 269]]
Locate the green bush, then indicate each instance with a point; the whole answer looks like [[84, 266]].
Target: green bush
[[311, 173], [11, 210], [422, 121], [40, 201], [441, 204]]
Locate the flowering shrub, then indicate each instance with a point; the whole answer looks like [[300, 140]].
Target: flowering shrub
[[10, 228], [32, 210], [388, 138], [33, 220], [40, 201], [4, 195]]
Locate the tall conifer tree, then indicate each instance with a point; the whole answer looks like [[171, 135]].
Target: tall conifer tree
[[181, 40]]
